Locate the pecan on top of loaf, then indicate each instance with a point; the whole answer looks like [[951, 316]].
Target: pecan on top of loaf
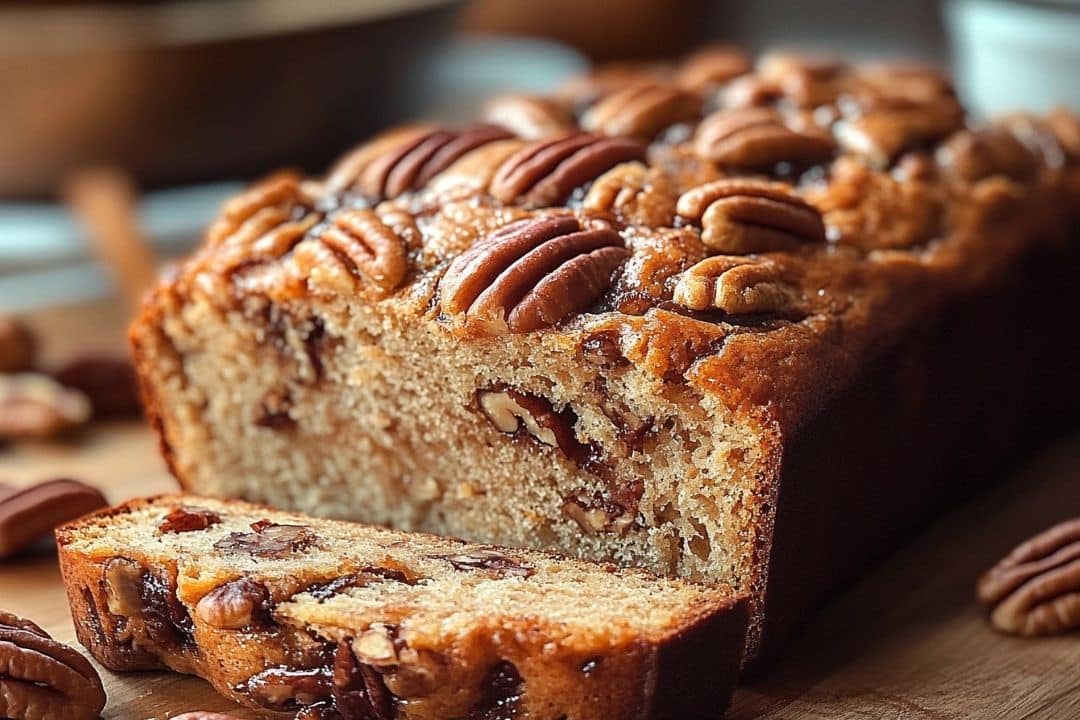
[[855, 195]]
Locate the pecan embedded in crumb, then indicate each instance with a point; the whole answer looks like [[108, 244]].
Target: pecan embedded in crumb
[[747, 216], [1035, 589], [358, 690], [493, 561], [269, 540], [188, 519], [237, 604]]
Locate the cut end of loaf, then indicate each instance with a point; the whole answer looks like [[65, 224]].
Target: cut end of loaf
[[251, 599], [547, 440]]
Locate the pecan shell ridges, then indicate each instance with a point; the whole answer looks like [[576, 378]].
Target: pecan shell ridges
[[546, 172], [357, 246], [746, 216], [1035, 590], [411, 162], [531, 274], [44, 678]]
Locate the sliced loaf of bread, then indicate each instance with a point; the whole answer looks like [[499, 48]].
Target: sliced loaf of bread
[[339, 620]]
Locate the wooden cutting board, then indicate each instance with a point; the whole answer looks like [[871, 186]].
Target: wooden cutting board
[[906, 643]]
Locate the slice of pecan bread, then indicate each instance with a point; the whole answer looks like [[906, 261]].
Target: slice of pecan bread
[[751, 347], [286, 612]]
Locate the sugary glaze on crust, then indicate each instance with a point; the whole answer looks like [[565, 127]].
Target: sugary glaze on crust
[[282, 611], [915, 206]]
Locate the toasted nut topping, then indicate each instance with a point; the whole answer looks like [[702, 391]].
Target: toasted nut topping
[[531, 274], [641, 110], [44, 679], [634, 193], [188, 519], [35, 406], [546, 172], [236, 604], [712, 66], [375, 646], [263, 224], [18, 346], [407, 160], [529, 116], [1035, 589], [357, 247], [758, 137], [745, 216], [735, 285]]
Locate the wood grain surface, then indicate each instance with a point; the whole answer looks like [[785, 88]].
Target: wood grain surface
[[906, 643]]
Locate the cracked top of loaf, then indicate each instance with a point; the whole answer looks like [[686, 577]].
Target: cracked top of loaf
[[754, 230]]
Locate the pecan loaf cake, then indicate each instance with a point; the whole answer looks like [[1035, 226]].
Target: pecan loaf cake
[[285, 612], [730, 323]]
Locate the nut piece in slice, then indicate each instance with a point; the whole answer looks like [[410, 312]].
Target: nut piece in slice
[[18, 346], [483, 632]]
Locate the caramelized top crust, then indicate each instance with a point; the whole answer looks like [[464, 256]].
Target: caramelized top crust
[[783, 225]]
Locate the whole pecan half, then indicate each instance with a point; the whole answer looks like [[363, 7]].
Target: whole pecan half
[[530, 274], [36, 406], [44, 679], [529, 116], [635, 194], [1035, 589], [357, 247], [758, 138], [263, 223], [746, 216], [546, 172], [388, 169], [18, 345], [712, 66], [641, 110], [734, 285]]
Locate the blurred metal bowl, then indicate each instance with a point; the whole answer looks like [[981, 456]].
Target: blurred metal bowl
[[183, 91]]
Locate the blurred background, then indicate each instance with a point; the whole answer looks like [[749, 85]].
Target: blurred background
[[184, 99]]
